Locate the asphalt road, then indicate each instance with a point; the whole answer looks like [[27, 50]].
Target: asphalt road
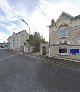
[[21, 73]]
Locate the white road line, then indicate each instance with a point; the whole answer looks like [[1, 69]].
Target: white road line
[[8, 57], [29, 56], [69, 65], [52, 62]]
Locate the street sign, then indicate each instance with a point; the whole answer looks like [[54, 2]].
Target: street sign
[[74, 50], [73, 53]]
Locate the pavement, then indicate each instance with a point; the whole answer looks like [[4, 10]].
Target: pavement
[[74, 63], [24, 73]]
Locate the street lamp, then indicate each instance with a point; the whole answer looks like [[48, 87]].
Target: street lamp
[[29, 32], [25, 23], [28, 25]]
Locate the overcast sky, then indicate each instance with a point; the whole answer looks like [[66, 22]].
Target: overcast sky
[[37, 13]]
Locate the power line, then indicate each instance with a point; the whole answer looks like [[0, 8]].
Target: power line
[[43, 13], [4, 5], [35, 3]]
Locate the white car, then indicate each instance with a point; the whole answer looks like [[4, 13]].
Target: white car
[[2, 49]]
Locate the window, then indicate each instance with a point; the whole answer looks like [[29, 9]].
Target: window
[[13, 40], [63, 50], [13, 44], [63, 33]]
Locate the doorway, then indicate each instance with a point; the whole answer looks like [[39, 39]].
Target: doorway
[[44, 50]]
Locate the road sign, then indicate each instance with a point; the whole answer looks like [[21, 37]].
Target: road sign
[[73, 53], [74, 50]]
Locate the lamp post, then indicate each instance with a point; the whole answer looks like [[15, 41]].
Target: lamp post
[[29, 32], [28, 25]]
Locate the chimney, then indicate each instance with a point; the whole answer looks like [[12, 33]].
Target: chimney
[[52, 22], [13, 33]]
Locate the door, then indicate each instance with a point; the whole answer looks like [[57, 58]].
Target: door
[[44, 50]]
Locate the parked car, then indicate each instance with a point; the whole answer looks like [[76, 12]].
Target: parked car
[[2, 48]]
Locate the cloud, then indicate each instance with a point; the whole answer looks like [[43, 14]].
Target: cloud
[[10, 21], [38, 19], [52, 9], [3, 37], [6, 8], [39, 23], [52, 1], [9, 27]]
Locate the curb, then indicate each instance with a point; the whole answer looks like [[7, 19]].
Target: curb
[[57, 63], [68, 59]]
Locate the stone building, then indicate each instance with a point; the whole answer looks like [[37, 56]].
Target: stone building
[[64, 35], [18, 41], [44, 49]]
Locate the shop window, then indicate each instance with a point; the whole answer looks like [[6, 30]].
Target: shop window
[[63, 50]]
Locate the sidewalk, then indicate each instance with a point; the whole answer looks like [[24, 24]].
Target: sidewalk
[[59, 57], [58, 60], [63, 61], [68, 58]]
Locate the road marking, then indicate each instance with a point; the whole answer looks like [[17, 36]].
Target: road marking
[[52, 62], [28, 55], [47, 61], [57, 63], [69, 65], [8, 57]]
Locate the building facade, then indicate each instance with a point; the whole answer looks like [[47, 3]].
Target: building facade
[[44, 49], [64, 35], [19, 40]]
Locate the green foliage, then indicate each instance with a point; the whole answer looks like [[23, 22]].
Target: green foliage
[[35, 40]]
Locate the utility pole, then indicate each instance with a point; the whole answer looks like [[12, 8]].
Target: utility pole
[[29, 32], [28, 26]]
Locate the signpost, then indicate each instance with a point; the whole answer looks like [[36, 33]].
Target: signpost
[[74, 52]]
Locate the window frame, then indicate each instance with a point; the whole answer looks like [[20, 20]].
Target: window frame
[[63, 29]]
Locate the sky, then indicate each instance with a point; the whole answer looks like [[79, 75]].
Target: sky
[[37, 13]]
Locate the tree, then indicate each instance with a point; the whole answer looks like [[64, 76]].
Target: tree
[[35, 40]]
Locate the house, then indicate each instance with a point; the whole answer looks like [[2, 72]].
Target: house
[[18, 41], [64, 35]]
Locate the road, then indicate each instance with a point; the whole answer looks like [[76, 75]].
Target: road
[[21, 73]]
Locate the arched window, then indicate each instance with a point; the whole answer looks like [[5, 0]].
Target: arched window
[[63, 31]]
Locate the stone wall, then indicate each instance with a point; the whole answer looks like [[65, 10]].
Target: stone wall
[[73, 28], [77, 56], [47, 49], [54, 51]]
